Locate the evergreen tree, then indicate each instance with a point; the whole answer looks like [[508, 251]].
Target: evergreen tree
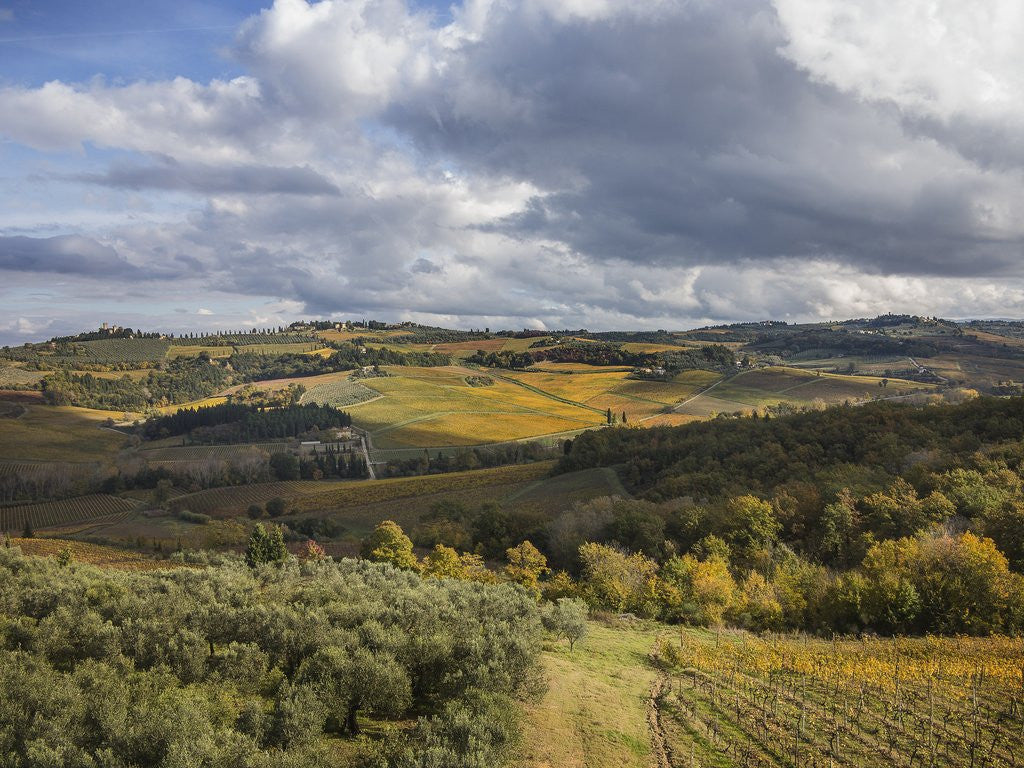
[[256, 551]]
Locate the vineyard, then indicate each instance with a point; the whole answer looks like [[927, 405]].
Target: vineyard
[[94, 554], [203, 452], [245, 339], [99, 352], [338, 393], [351, 493], [315, 495], [51, 514], [235, 500], [741, 700]]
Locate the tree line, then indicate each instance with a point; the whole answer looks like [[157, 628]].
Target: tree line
[[599, 353], [240, 422]]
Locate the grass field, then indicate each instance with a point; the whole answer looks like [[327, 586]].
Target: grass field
[[12, 376], [603, 388], [433, 407], [50, 433], [94, 554], [749, 390], [593, 714]]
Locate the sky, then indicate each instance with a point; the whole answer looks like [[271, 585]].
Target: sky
[[594, 164]]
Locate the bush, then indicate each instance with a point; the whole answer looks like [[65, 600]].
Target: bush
[[193, 517]]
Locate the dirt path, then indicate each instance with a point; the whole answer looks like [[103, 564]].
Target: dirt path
[[659, 743], [366, 445]]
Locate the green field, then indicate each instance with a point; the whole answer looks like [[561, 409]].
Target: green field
[[594, 712]]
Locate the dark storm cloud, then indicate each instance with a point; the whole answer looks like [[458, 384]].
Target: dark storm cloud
[[685, 138], [64, 254], [169, 174]]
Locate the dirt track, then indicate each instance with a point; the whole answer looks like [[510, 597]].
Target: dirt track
[[662, 753]]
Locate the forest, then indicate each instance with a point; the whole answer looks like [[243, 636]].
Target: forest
[[887, 518], [272, 662], [186, 379], [241, 423], [711, 356], [176, 381]]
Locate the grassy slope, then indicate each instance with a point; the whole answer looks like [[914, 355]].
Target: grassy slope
[[48, 433], [593, 714]]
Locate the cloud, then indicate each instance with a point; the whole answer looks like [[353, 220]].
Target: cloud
[[169, 174], [64, 254], [565, 162], [205, 312], [954, 71]]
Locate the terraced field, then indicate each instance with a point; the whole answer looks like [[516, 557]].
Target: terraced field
[[360, 492], [100, 351], [51, 514], [278, 349], [38, 470]]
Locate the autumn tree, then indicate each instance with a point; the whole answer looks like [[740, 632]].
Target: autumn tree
[[389, 544], [526, 566]]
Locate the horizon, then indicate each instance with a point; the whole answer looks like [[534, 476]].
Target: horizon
[[533, 164], [497, 331]]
